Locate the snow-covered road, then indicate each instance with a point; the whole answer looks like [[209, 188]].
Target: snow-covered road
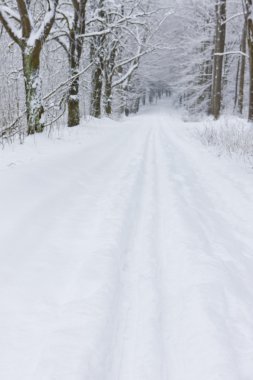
[[126, 254]]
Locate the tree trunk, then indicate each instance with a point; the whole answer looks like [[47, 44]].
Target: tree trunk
[[97, 92], [250, 116], [144, 99], [75, 54], [237, 83], [249, 23], [109, 73], [208, 92], [75, 51], [220, 36], [136, 105], [97, 76], [30, 53], [108, 95], [242, 70], [73, 102], [33, 90]]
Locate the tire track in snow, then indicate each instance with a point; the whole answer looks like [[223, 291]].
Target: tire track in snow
[[157, 276], [207, 278], [138, 351], [73, 213], [54, 189], [105, 240]]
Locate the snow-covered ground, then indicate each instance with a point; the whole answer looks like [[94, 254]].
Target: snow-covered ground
[[230, 135], [126, 254]]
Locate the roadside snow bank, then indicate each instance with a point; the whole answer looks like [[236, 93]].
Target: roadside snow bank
[[50, 144], [232, 136]]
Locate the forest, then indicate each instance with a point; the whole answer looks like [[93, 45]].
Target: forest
[[65, 60], [126, 190]]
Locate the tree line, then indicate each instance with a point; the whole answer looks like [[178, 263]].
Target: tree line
[[213, 65], [102, 41], [63, 59]]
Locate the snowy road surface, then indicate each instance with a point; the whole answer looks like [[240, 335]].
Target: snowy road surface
[[126, 254]]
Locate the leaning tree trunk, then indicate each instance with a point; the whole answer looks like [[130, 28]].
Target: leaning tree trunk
[[33, 90], [220, 36]]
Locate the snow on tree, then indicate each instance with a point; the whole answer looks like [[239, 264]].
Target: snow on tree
[[71, 26], [219, 48], [108, 57], [29, 25]]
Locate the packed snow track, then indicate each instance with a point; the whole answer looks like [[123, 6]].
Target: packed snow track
[[126, 254]]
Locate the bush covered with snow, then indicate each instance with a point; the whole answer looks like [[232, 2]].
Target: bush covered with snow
[[232, 136]]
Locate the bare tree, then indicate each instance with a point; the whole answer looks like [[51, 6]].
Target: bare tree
[[249, 22], [30, 35], [97, 54], [241, 69], [76, 38], [219, 48]]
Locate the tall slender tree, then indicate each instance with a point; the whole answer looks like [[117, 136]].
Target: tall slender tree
[[76, 38], [219, 48], [249, 23], [97, 54], [242, 69]]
